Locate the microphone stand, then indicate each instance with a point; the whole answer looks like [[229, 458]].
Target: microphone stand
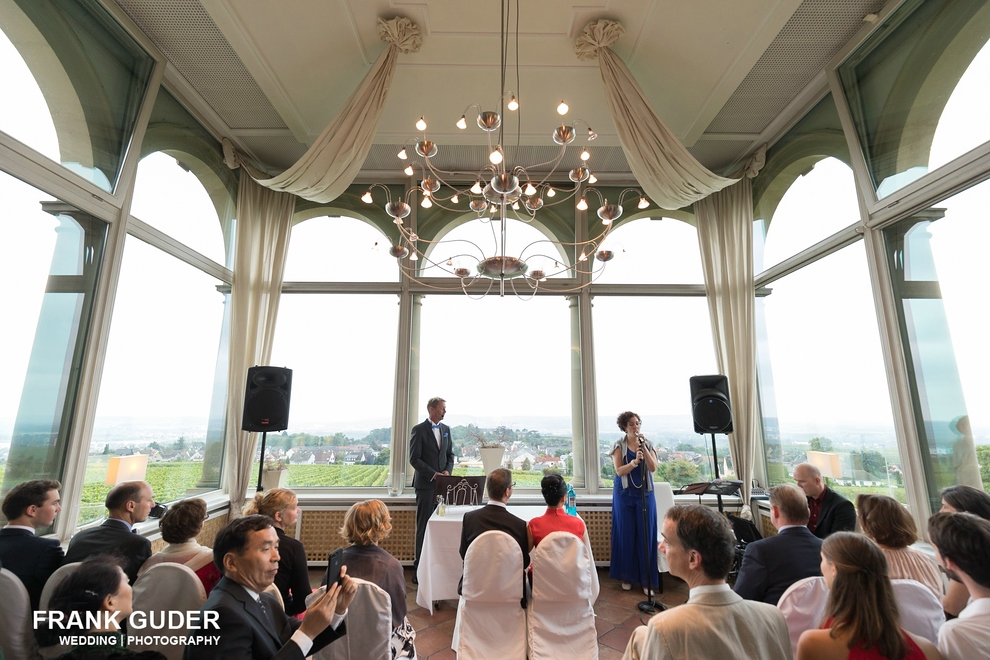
[[648, 606]]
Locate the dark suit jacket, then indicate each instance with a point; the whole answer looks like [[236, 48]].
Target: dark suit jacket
[[772, 564], [246, 633], [837, 515], [493, 517], [112, 537], [426, 457], [293, 574], [31, 558]]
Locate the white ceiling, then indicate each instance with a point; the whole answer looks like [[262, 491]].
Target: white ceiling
[[272, 74]]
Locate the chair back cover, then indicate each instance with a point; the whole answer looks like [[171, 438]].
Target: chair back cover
[[369, 627], [490, 619], [16, 624], [54, 580], [562, 614], [920, 611], [273, 590], [163, 588], [803, 607], [665, 500]]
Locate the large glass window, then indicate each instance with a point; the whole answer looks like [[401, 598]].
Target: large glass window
[[822, 379], [935, 259], [48, 277], [653, 251], [330, 249]]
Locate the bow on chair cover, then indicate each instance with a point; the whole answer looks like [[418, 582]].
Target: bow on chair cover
[[334, 159], [669, 174]]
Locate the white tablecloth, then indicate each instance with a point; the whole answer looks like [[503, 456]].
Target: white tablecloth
[[441, 565]]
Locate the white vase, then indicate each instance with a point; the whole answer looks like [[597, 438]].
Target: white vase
[[491, 458], [273, 479]]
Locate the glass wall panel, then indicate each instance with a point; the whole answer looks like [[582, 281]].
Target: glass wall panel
[[158, 395], [822, 379], [646, 350], [48, 277], [92, 75], [653, 251], [899, 83], [504, 366], [341, 349], [328, 249], [936, 262]]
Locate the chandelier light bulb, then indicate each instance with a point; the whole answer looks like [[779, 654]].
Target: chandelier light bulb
[[583, 257], [421, 124], [530, 189], [495, 156], [476, 188], [582, 205], [413, 256], [591, 134], [462, 123], [454, 200], [408, 170], [366, 197], [426, 203], [551, 192], [515, 206], [643, 202], [592, 179], [562, 108], [513, 104], [585, 155], [402, 154]]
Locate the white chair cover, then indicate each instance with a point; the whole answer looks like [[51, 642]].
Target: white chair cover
[[561, 614], [803, 607], [166, 587], [273, 590], [54, 580], [369, 626], [665, 500], [490, 619], [16, 625], [920, 611]]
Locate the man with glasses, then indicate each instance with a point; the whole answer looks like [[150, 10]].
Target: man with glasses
[[495, 516]]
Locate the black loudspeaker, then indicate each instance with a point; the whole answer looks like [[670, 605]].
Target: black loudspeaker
[[710, 405], [266, 400]]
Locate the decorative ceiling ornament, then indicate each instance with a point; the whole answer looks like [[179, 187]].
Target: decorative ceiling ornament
[[502, 191]]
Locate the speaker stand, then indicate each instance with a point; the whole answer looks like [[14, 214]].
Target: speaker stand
[[715, 464], [261, 461]]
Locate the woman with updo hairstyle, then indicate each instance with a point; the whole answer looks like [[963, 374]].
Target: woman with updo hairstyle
[[861, 618], [98, 585], [180, 526], [366, 525], [292, 579], [556, 519], [961, 499], [886, 521], [635, 461]]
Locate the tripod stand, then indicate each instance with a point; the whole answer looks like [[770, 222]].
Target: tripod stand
[[648, 606]]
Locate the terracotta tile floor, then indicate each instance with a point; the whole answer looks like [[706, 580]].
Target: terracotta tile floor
[[617, 616]]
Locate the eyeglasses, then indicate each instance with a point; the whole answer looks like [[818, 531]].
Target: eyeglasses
[[513, 485]]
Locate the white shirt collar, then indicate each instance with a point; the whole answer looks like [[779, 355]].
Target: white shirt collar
[[130, 527], [708, 589], [782, 528], [497, 503], [978, 607], [30, 529]]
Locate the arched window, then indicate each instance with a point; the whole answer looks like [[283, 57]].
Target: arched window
[[338, 249], [653, 251], [29, 119]]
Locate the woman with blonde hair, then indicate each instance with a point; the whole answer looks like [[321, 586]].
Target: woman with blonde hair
[[861, 619], [292, 579], [886, 521], [366, 525]]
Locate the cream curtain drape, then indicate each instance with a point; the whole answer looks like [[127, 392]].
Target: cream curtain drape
[[335, 158], [669, 174], [264, 219], [725, 234]]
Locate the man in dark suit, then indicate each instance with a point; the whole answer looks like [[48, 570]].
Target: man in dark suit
[[251, 624], [431, 453], [128, 504], [830, 512], [30, 507], [495, 516], [773, 564]]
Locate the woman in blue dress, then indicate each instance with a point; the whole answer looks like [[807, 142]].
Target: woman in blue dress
[[629, 538]]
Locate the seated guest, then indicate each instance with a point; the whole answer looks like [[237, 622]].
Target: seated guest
[[251, 623], [714, 623], [365, 526], [495, 516], [128, 504], [962, 499], [771, 565], [830, 512], [556, 519], [29, 507], [180, 526], [98, 585], [962, 546], [861, 614], [886, 521], [292, 581]]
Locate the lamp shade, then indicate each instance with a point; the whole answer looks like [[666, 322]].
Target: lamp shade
[[826, 461], [126, 468]]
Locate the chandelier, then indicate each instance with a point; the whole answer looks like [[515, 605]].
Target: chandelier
[[497, 193]]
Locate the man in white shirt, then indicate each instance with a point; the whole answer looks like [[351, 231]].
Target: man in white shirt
[[962, 548], [715, 622]]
